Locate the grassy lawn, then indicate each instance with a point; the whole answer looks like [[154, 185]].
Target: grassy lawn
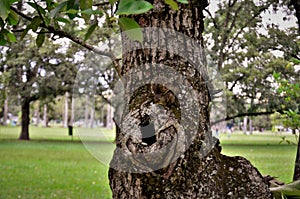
[[53, 166], [264, 152], [49, 166]]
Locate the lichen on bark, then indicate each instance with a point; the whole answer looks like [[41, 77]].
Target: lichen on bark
[[194, 168]]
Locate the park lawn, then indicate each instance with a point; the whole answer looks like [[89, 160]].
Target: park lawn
[[265, 152], [50, 169], [53, 166]]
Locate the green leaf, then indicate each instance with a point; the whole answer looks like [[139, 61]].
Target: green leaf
[[40, 40], [295, 61], [13, 18], [173, 4], [70, 4], [74, 5], [129, 7], [37, 7], [72, 11], [2, 23], [85, 4], [112, 2], [24, 33], [35, 23], [183, 1], [61, 19], [90, 30], [3, 42], [90, 11], [9, 36], [132, 28], [4, 9], [57, 9], [291, 190]]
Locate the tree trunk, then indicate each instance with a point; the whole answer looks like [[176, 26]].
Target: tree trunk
[[92, 117], [163, 153], [245, 124], [109, 116], [297, 163], [25, 109], [86, 111], [250, 126], [37, 114], [45, 116], [71, 122], [66, 111], [5, 112]]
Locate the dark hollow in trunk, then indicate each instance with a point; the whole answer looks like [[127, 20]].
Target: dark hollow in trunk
[[25, 108], [192, 175]]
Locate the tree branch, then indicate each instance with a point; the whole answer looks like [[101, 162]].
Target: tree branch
[[101, 4], [246, 24], [236, 81], [39, 12], [212, 18], [247, 114], [63, 34]]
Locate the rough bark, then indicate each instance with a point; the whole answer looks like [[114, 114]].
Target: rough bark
[[192, 174], [25, 109]]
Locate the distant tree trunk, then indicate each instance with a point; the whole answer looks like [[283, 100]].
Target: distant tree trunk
[[102, 120], [25, 120], [66, 111], [109, 116], [71, 122], [245, 124], [37, 114], [86, 111], [297, 163], [250, 126], [5, 111], [92, 117], [192, 175], [45, 116]]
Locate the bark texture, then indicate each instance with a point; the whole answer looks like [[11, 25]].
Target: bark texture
[[192, 175]]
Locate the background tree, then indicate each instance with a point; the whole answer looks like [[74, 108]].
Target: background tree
[[290, 89], [36, 73], [241, 47]]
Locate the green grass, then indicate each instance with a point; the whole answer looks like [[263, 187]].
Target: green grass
[[53, 166], [264, 152]]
